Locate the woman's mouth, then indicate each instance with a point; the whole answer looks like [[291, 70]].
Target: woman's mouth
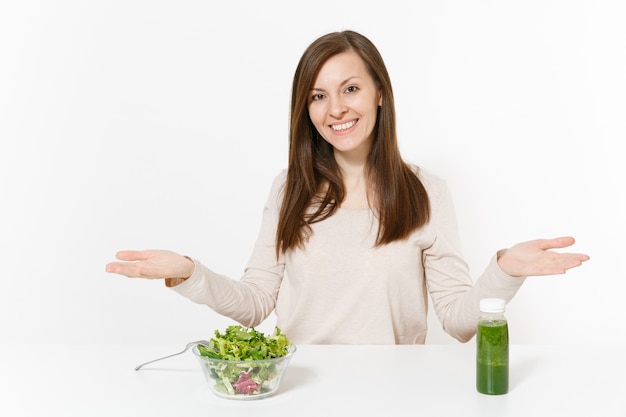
[[342, 127]]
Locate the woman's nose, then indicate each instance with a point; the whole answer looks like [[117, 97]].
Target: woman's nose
[[338, 108]]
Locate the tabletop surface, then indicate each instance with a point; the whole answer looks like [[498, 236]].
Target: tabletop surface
[[328, 380]]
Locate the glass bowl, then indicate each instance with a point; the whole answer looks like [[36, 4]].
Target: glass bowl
[[244, 380]]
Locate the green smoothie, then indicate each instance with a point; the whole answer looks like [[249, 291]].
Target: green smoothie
[[492, 357]]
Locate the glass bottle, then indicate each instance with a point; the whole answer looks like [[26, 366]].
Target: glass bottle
[[492, 348]]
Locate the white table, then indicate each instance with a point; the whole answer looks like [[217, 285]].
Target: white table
[[426, 380]]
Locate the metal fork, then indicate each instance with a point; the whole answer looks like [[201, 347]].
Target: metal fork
[[189, 345]]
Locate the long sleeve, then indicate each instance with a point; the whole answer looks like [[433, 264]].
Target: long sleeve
[[456, 298], [252, 298]]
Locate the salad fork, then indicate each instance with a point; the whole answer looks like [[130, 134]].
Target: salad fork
[[189, 345]]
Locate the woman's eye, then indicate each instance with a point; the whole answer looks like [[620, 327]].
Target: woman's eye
[[316, 97], [352, 89]]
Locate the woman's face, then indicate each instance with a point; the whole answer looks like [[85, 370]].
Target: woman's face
[[343, 104]]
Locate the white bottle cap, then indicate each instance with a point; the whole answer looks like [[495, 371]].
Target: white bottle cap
[[492, 305]]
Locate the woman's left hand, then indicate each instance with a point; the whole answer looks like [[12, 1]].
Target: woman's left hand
[[534, 258]]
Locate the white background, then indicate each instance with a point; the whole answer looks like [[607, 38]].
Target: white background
[[142, 124]]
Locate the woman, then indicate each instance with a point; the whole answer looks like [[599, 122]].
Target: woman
[[353, 239]]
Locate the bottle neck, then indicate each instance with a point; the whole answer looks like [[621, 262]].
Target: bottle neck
[[492, 316]]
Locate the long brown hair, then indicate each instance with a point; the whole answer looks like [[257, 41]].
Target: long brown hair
[[314, 187]]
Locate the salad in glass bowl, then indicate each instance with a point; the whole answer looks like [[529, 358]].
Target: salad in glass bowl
[[243, 363]]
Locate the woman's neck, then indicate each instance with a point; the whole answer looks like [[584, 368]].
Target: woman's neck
[[355, 183]]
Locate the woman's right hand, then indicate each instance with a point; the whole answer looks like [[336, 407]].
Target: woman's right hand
[[151, 264]]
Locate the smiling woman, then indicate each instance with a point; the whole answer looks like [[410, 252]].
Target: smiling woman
[[135, 124], [351, 232], [344, 104]]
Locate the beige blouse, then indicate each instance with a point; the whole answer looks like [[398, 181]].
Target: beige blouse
[[340, 289]]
